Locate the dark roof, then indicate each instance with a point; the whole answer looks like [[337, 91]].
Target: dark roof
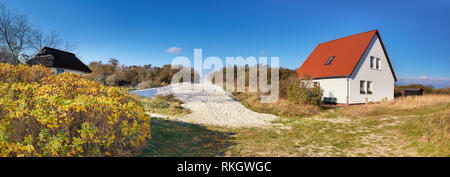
[[50, 57], [346, 52], [414, 89]]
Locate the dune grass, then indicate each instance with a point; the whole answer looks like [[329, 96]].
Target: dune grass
[[283, 107], [429, 133], [407, 126], [399, 106], [164, 105], [178, 139]]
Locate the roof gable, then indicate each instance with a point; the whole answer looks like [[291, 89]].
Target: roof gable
[[50, 57], [347, 52]]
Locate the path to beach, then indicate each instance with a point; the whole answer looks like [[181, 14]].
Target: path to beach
[[211, 105]]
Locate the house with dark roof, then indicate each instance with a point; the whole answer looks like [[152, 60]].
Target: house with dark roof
[[59, 61], [352, 70], [412, 91]]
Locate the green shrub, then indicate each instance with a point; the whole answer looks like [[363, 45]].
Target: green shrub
[[304, 92]]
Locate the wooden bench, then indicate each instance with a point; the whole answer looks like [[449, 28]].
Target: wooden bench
[[329, 100]]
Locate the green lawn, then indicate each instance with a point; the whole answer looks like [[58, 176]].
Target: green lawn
[[177, 139]]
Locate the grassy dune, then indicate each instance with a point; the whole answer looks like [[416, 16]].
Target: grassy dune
[[280, 108], [164, 105], [407, 126]]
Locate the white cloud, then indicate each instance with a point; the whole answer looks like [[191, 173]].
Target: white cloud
[[264, 52], [437, 82], [423, 77], [174, 50]]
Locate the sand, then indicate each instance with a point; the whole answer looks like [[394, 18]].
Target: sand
[[212, 105]]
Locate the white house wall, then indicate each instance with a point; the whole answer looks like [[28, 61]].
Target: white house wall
[[69, 70], [382, 79], [334, 87]]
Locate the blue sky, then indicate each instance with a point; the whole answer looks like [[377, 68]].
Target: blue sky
[[415, 33]]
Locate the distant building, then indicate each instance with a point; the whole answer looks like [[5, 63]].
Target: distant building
[[59, 61], [353, 69], [412, 91]]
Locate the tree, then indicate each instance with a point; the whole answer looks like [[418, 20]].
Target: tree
[[22, 41], [68, 46], [14, 32], [113, 62], [39, 40]]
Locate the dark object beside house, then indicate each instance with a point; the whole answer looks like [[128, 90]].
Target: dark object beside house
[[412, 91], [329, 100], [58, 59]]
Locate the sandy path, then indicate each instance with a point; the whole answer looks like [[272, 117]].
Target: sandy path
[[211, 105]]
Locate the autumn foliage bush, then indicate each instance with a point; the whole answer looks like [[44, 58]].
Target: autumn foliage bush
[[44, 114], [133, 77]]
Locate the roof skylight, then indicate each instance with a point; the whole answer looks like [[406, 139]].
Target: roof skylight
[[329, 60]]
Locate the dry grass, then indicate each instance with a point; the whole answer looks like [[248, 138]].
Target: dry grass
[[280, 108], [410, 126], [407, 126], [417, 102], [399, 106], [430, 134], [425, 120], [165, 105]]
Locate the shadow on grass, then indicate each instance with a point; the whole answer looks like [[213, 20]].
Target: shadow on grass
[[178, 139]]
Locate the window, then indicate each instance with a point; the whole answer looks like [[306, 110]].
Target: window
[[378, 63], [59, 71], [372, 60], [361, 86], [369, 87], [329, 60], [316, 84]]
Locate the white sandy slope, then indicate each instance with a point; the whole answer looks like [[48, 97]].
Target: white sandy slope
[[211, 105]]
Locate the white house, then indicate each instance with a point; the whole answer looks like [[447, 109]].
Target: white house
[[59, 61], [352, 70]]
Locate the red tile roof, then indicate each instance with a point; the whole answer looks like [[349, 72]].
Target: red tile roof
[[347, 52]]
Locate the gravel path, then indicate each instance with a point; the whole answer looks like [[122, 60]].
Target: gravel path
[[211, 105]]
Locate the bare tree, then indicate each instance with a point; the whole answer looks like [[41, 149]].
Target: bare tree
[[39, 40], [70, 47], [23, 42], [14, 32]]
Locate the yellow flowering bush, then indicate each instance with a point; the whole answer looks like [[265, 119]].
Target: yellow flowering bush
[[44, 114]]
